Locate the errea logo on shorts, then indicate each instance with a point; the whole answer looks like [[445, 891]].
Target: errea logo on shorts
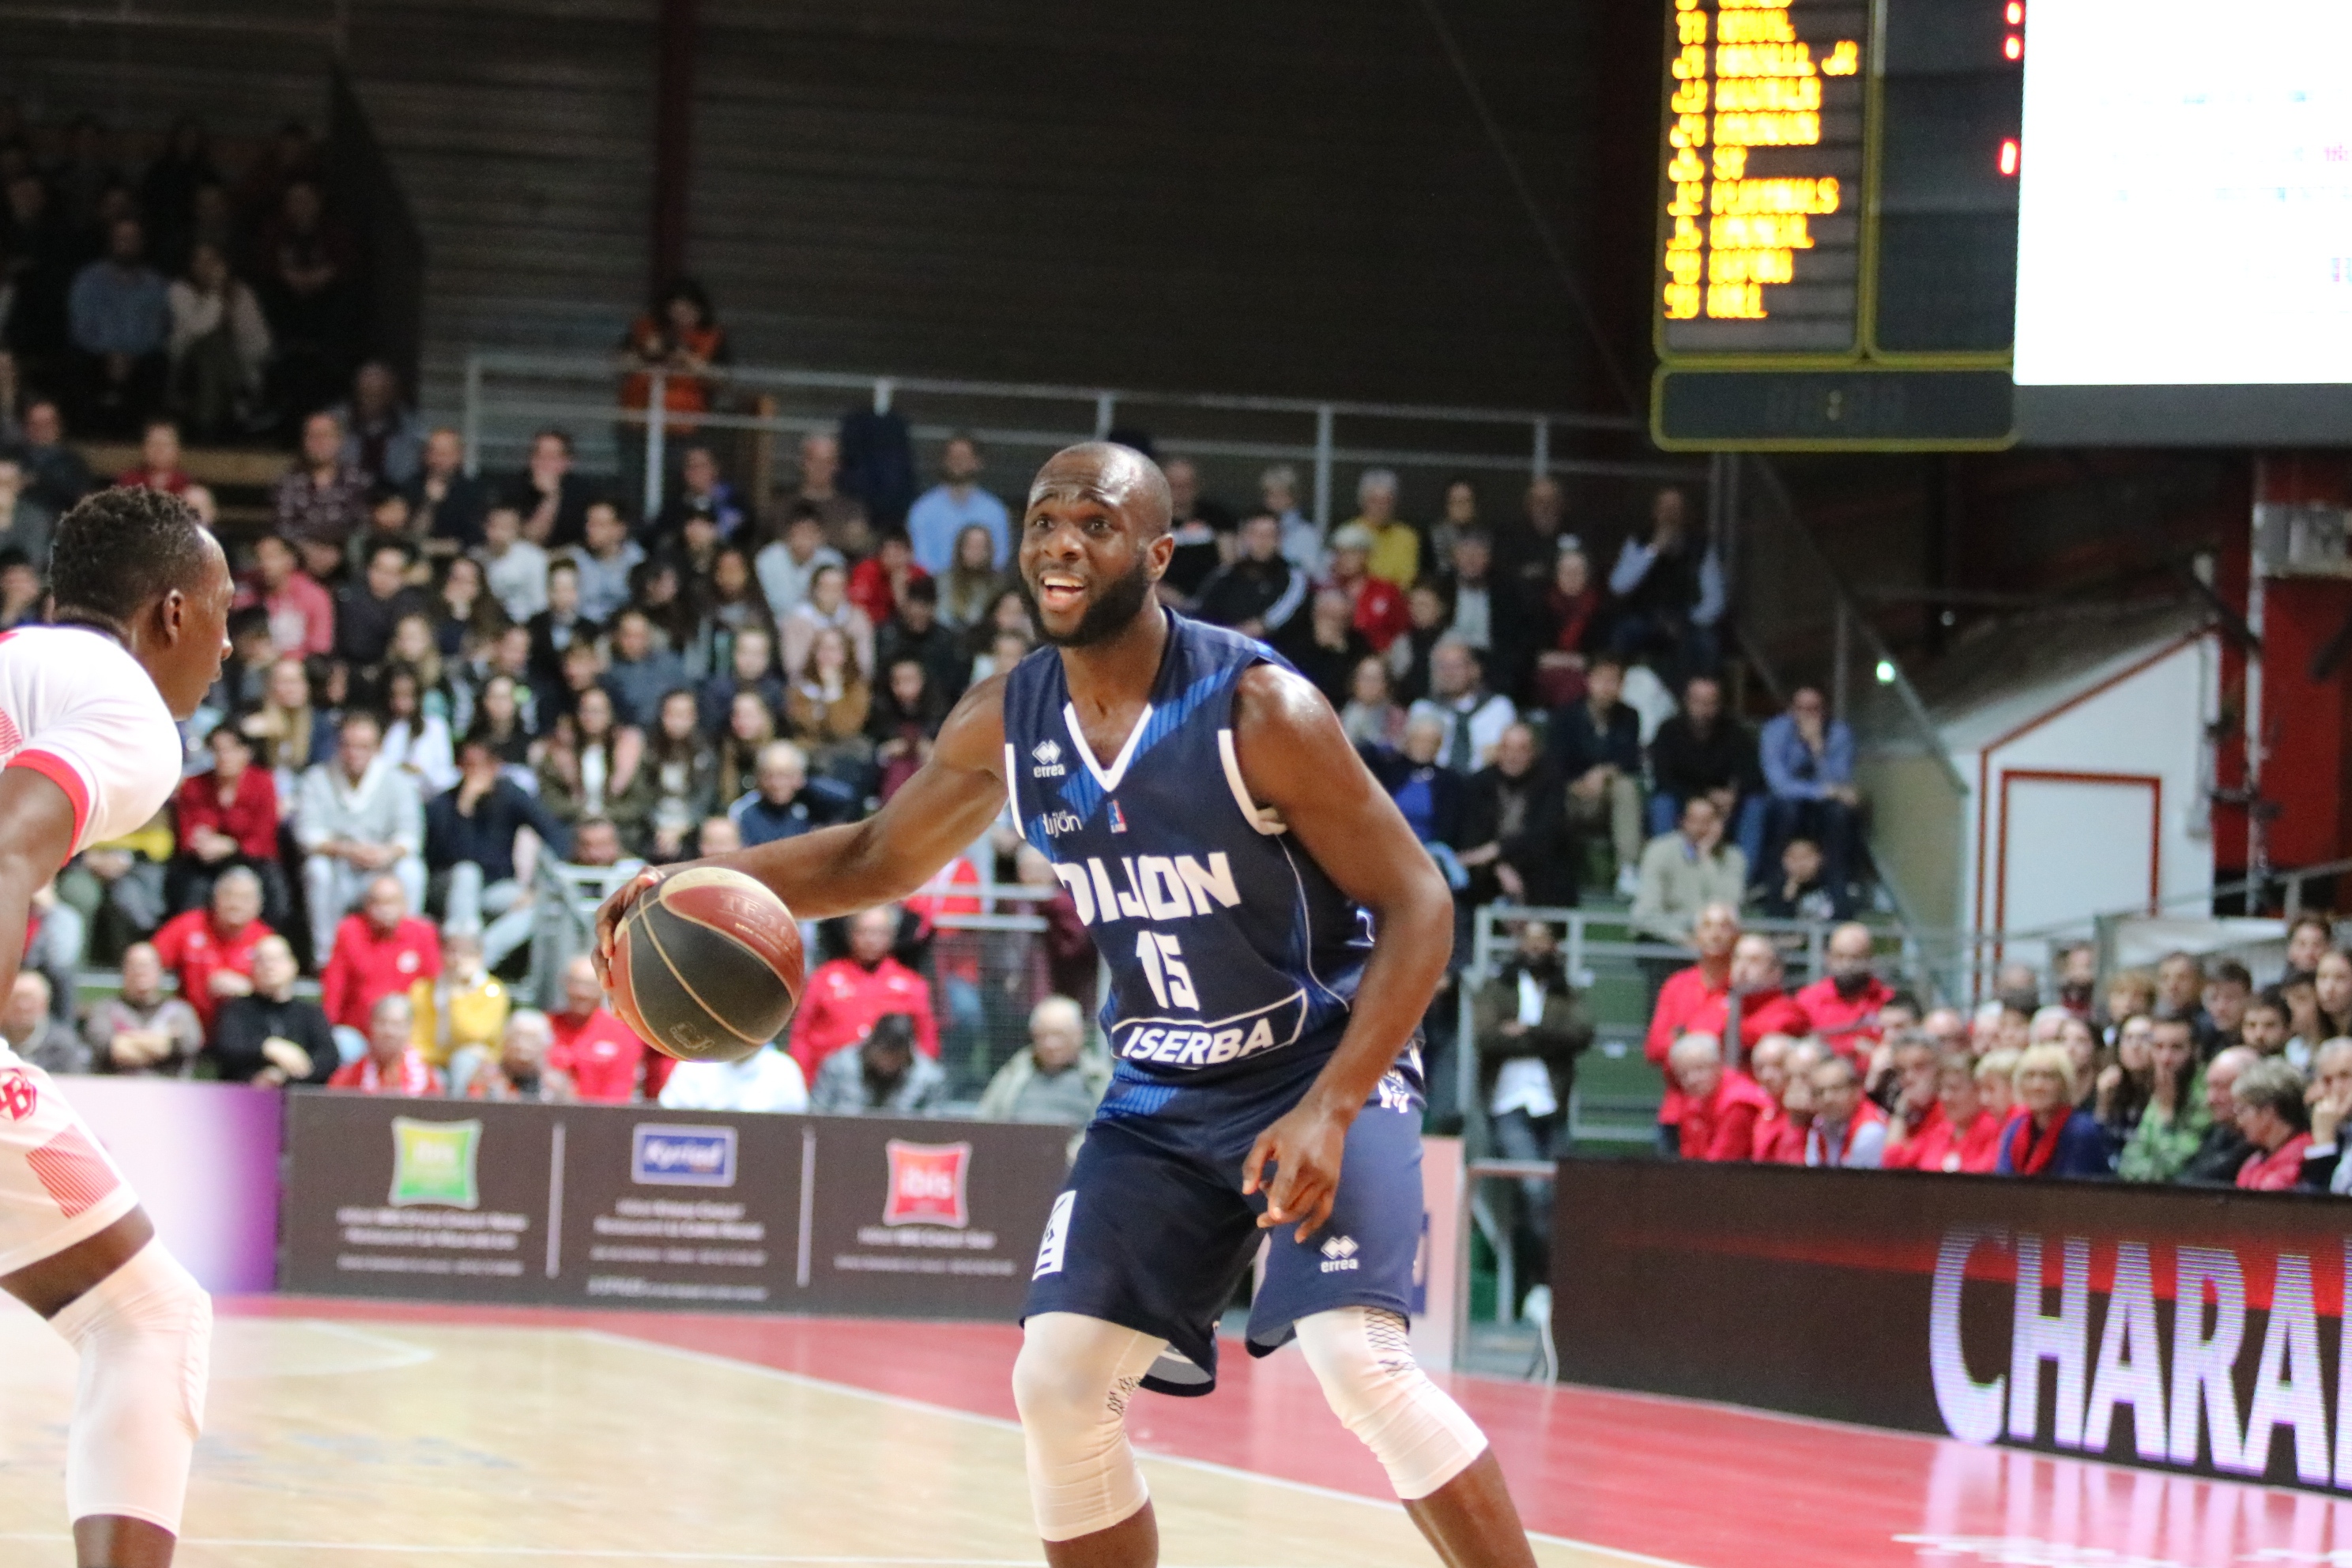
[[1340, 1255], [1048, 755]]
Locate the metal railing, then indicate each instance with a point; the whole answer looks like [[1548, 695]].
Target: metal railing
[[510, 394]]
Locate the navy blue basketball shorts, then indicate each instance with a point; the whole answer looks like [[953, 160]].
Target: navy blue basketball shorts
[[1152, 1232]]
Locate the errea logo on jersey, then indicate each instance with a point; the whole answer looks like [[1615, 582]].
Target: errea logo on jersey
[[1340, 1255], [1048, 754]]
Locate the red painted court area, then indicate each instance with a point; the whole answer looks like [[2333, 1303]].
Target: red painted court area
[[1703, 1486]]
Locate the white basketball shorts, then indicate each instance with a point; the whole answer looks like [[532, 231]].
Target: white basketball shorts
[[57, 1184]]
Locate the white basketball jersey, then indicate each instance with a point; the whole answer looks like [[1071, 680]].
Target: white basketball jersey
[[78, 709]]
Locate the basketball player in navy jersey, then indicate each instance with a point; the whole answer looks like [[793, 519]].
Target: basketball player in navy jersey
[[1274, 933]]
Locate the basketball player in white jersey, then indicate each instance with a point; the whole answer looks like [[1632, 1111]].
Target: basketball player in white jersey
[[88, 751]]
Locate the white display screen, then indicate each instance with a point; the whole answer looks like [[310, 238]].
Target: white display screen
[[2186, 193]]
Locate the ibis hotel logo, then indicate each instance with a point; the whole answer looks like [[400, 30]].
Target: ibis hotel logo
[[434, 1162], [926, 1185], [682, 1156], [2148, 1352]]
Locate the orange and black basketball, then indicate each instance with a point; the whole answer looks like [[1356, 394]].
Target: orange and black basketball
[[706, 966]]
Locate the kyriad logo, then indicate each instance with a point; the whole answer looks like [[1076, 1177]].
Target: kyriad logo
[[927, 1183], [2182, 1387], [663, 1156]]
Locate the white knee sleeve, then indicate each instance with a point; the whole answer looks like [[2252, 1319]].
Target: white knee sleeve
[[1364, 1358], [1071, 1382], [144, 1332]]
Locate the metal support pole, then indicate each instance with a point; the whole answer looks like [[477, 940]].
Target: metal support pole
[[1543, 448], [884, 387], [1323, 467], [1106, 404], [473, 413], [656, 443], [1840, 647]]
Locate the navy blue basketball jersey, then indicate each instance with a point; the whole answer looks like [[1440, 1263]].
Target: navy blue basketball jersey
[[1230, 950]]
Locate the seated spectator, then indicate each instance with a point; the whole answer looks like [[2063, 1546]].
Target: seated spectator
[[301, 612], [516, 570], [1670, 593], [1201, 532], [956, 502], [1692, 1001], [1768, 1064], [1412, 657], [2078, 978], [2229, 989], [513, 1066], [220, 347], [774, 809], [878, 583], [682, 770], [2298, 992], [845, 997], [35, 1034], [701, 492], [269, 1036], [2223, 1149], [383, 438], [1808, 762], [1377, 609], [916, 634], [826, 606], [1907, 1089], [449, 503], [118, 886], [1331, 653], [1685, 871], [1847, 1132], [382, 951], [639, 673], [1518, 844], [1843, 1005], [211, 949], [416, 729], [228, 820], [1571, 626], [2120, 1089], [604, 559], [366, 610], [469, 1002], [1302, 540], [752, 669], [766, 1080], [1721, 1107], [1475, 718], [558, 628], [1259, 592], [787, 565], [1965, 1137], [549, 498], [55, 472], [118, 315], [25, 522], [883, 1076], [2263, 1029], [970, 587], [826, 706], [1596, 744], [592, 766], [1701, 750], [2324, 1169], [160, 456], [322, 500], [1489, 611], [1428, 793], [392, 1064], [2052, 1138], [1394, 545], [140, 1030], [600, 1054], [1371, 715], [358, 820], [903, 721], [2173, 1124], [1057, 1079], [475, 853], [2268, 1102], [1759, 1000], [292, 731], [2181, 993]]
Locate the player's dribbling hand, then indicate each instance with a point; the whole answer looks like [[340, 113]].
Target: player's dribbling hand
[[1305, 1148], [609, 916]]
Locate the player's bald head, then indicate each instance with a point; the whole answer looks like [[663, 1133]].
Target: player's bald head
[[1119, 478]]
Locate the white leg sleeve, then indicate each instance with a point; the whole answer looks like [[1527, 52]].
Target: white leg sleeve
[[1364, 1358], [144, 1332], [1071, 1382]]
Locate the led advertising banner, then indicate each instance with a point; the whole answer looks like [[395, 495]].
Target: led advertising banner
[[639, 1206], [2185, 1330]]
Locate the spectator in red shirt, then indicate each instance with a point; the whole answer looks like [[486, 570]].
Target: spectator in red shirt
[[382, 951], [1966, 1136], [847, 996], [228, 817], [1913, 1097], [2273, 1117], [589, 1044], [392, 1064], [1758, 992], [1380, 609], [1843, 1004], [301, 613], [1780, 1133], [158, 461], [877, 584], [1692, 1002], [1848, 1133], [211, 949], [1720, 1107]]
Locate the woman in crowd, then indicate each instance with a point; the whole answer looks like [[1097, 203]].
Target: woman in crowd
[[826, 606], [2131, 992], [750, 725], [1456, 517], [2332, 986], [220, 347], [1431, 613], [658, 589], [595, 767], [2308, 937], [470, 617], [2268, 1102], [2126, 1081], [415, 646], [1004, 650], [497, 719], [903, 724], [2052, 1138], [736, 603], [969, 592], [2174, 1121], [1997, 1083], [684, 769], [415, 739], [1326, 646], [1967, 1137], [1008, 611], [1373, 716], [877, 584], [582, 671], [1573, 631], [289, 734], [827, 707]]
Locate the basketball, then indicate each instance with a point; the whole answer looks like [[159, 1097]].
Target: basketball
[[707, 965]]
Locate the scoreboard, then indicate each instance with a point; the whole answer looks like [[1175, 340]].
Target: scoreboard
[[1837, 234]]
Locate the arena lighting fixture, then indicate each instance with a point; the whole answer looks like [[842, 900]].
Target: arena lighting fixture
[[1886, 672], [2013, 47], [2016, 12], [2009, 155]]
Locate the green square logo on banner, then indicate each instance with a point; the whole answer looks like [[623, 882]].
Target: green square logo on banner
[[433, 1163]]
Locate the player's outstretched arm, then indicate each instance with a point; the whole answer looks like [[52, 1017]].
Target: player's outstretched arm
[[37, 837], [1296, 759], [933, 817]]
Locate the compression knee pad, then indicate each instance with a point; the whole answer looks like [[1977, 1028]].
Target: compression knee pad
[[144, 1334], [1364, 1358], [1071, 1382]]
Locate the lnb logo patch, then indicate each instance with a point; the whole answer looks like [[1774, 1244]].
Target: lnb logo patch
[[1340, 1255]]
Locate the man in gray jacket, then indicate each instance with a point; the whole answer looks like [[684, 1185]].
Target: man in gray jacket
[[357, 818]]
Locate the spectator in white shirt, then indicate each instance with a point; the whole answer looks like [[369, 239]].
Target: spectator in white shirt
[[786, 566], [513, 568], [767, 1079], [1474, 717], [606, 562]]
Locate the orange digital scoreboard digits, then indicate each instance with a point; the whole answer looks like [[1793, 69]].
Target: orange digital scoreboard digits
[[1763, 196]]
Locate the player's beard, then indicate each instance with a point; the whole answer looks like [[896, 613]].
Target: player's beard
[[1110, 612]]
